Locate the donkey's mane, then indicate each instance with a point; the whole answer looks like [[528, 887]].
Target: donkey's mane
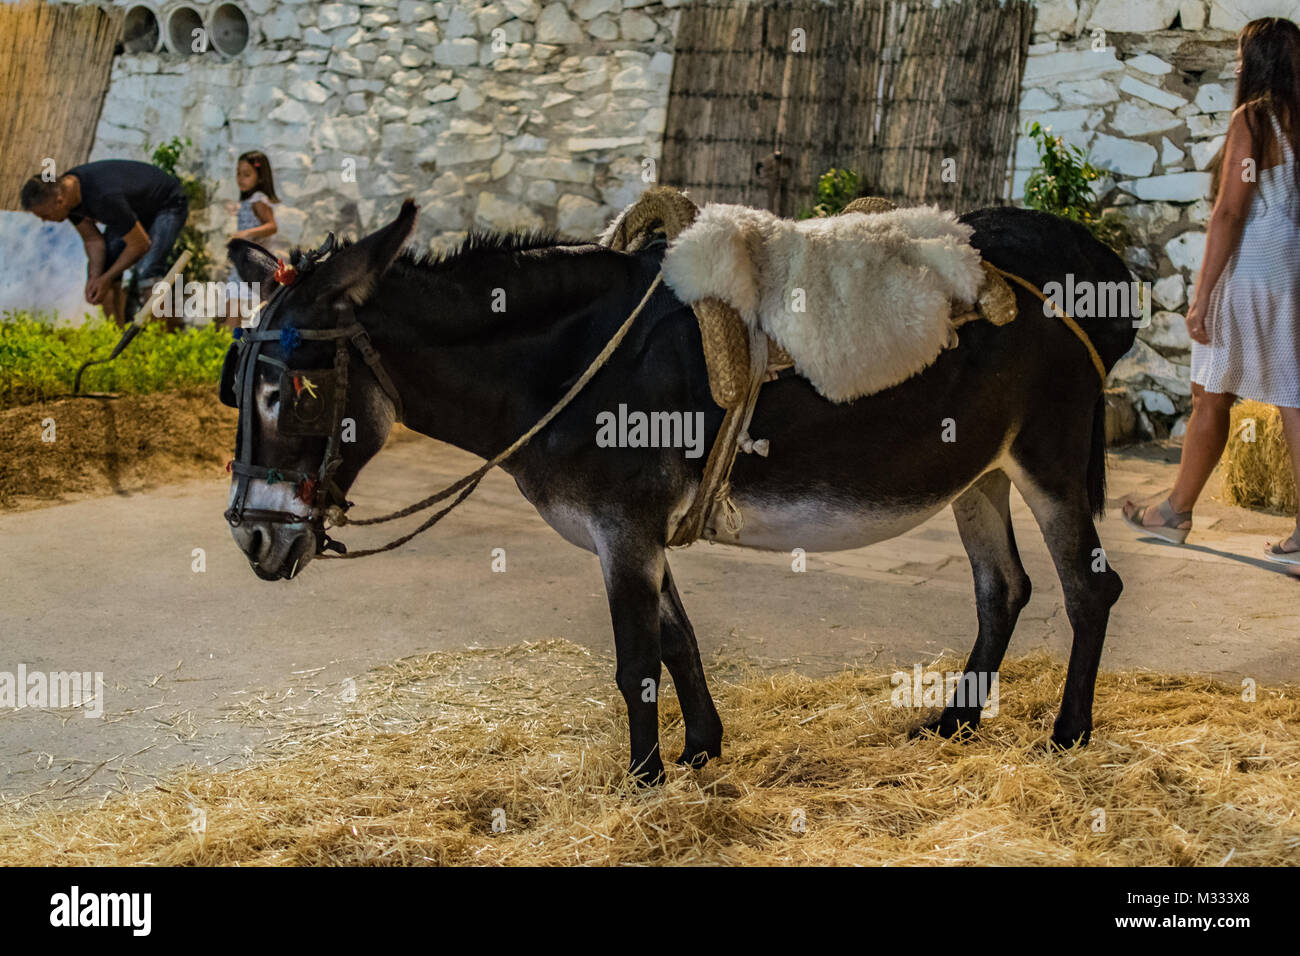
[[476, 243], [494, 240], [485, 242]]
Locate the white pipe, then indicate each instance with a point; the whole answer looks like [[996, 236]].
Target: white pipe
[[142, 29], [179, 24], [229, 28]]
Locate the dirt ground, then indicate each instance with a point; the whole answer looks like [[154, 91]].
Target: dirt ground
[[210, 666], [77, 447]]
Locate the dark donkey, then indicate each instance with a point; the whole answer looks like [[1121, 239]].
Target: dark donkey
[[1025, 399]]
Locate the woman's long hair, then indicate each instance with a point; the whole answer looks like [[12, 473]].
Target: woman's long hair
[[1269, 84], [265, 180]]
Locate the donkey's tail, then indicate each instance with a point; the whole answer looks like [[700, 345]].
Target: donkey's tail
[[1096, 477]]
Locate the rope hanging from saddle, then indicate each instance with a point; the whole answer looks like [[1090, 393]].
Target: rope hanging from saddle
[[740, 358], [736, 358]]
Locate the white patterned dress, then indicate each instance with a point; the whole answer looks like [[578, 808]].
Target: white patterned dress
[[1253, 317]]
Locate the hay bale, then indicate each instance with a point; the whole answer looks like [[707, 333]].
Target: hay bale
[[1256, 463], [1121, 417]]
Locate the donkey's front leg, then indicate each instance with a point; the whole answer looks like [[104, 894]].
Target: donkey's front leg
[[633, 572]]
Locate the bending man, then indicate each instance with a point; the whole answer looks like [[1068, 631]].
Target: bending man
[[142, 210]]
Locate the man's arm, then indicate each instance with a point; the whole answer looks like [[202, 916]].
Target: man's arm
[[96, 249], [137, 244]]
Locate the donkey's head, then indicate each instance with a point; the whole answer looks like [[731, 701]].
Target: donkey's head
[[312, 410]]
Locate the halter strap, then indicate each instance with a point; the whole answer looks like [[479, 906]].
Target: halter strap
[[324, 494]]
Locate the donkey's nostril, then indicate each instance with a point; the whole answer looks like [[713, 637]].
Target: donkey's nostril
[[255, 544]]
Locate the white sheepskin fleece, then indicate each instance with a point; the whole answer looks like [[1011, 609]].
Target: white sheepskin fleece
[[876, 289]]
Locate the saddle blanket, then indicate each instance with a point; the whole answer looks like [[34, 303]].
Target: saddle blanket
[[860, 301]]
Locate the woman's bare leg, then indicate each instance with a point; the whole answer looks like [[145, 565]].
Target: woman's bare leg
[[1207, 434]]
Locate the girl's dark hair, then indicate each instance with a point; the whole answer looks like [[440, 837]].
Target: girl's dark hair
[[1269, 84], [265, 179]]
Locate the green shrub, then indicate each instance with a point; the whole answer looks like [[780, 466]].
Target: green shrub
[[836, 188], [167, 157], [1062, 185], [38, 360]]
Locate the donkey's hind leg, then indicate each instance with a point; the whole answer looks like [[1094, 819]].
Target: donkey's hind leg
[[681, 655], [1002, 590], [1060, 503]]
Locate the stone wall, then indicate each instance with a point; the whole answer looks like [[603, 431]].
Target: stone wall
[[529, 113], [1146, 89], [514, 113]]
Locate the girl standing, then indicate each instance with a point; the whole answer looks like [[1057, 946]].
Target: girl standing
[[255, 222]]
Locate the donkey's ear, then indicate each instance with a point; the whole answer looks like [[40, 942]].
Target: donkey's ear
[[354, 271], [252, 262]]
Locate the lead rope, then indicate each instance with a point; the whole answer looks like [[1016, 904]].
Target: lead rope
[[467, 484]]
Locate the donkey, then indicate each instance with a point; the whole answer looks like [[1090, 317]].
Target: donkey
[[1025, 400]]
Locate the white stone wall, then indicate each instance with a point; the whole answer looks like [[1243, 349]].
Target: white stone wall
[[1113, 77], [512, 113], [531, 113]]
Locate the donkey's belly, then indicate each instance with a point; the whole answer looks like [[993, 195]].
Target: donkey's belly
[[818, 524]]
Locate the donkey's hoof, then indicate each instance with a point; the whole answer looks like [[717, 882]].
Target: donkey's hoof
[[648, 772], [696, 756], [950, 725], [1062, 740], [929, 727], [958, 725], [693, 760]]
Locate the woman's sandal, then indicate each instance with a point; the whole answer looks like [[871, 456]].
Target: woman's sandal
[[1275, 552], [1169, 530]]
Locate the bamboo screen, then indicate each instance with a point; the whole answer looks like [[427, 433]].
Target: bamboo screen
[[54, 67], [889, 88]]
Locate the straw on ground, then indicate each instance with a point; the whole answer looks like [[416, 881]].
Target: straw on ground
[[515, 756]]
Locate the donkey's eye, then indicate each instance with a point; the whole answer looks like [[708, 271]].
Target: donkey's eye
[[273, 397]]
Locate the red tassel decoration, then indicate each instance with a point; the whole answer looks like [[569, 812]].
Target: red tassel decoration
[[285, 274]]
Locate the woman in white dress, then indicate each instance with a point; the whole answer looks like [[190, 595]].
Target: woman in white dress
[[1244, 321]]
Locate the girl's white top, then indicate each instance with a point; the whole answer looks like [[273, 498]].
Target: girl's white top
[[247, 219]]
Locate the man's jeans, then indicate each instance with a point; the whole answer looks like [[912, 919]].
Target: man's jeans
[[152, 266]]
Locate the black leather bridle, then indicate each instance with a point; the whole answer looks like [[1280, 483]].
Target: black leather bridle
[[312, 402]]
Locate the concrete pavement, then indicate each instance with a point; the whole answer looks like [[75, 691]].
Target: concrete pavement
[[202, 666]]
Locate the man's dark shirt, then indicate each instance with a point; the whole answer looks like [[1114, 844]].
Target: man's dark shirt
[[118, 192]]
